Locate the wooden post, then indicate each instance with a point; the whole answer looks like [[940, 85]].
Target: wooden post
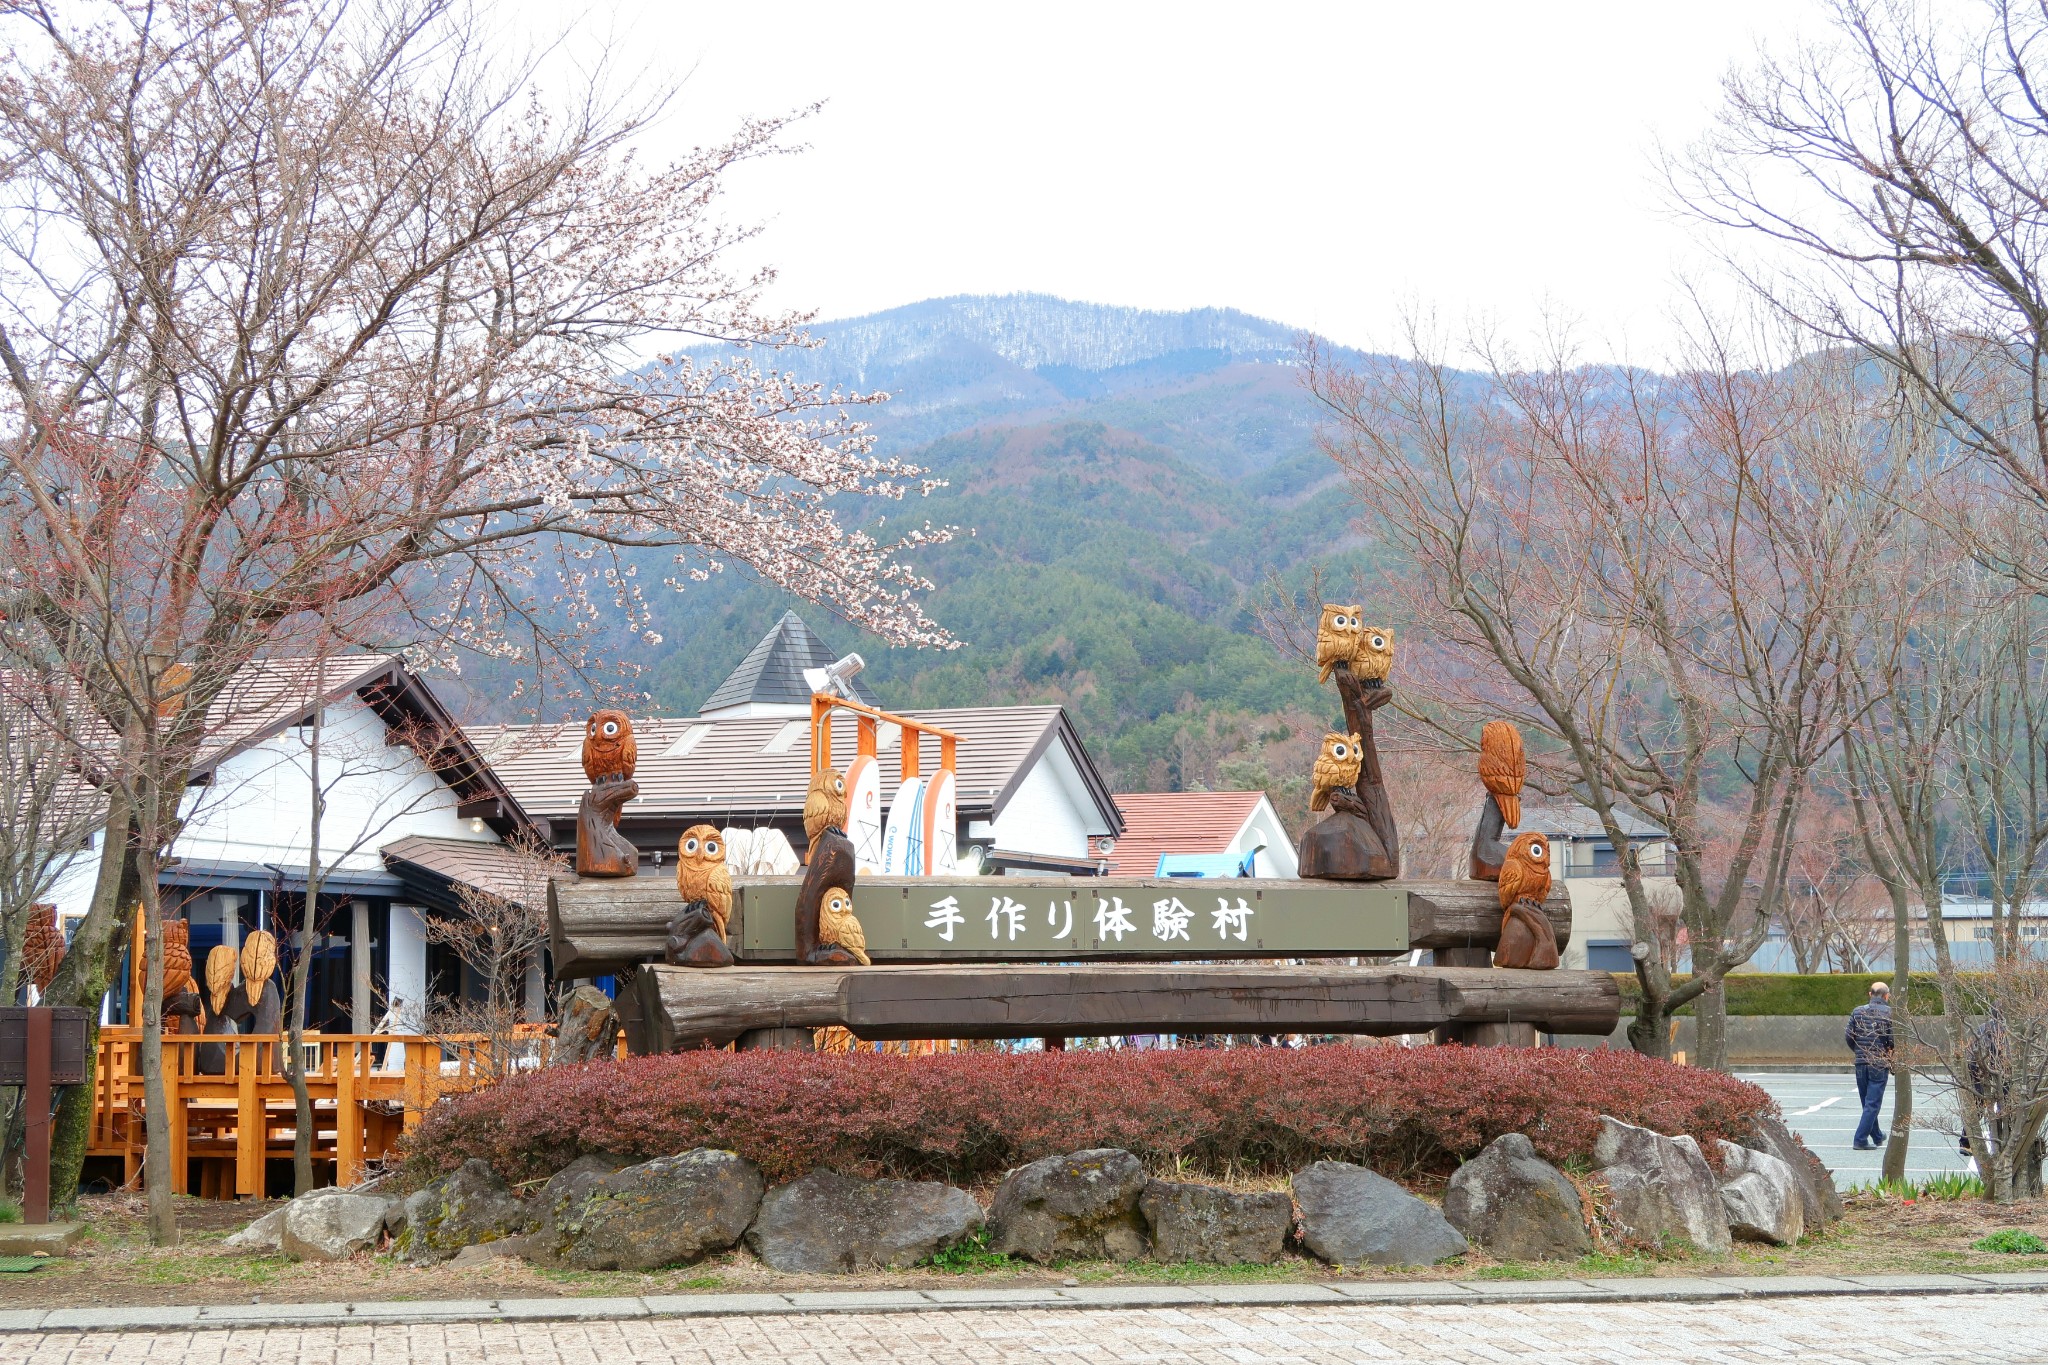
[[359, 967], [174, 1107], [36, 1095], [348, 1117], [252, 1126]]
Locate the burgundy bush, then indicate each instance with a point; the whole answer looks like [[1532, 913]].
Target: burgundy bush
[[1405, 1112]]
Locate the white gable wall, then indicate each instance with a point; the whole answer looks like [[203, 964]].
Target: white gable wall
[[1043, 815], [1277, 858]]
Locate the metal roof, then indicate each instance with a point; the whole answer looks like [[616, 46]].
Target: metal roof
[[1570, 820], [435, 867], [722, 768], [772, 674], [1160, 823]]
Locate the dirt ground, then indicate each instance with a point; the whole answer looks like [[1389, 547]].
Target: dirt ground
[[117, 1266]]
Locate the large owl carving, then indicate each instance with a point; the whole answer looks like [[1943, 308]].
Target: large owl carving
[[701, 873], [259, 963], [1525, 871], [1502, 768], [1337, 638], [825, 803], [220, 977], [177, 957], [1374, 659], [1336, 766], [609, 751], [836, 924]]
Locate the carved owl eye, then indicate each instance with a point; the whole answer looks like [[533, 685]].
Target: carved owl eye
[[1340, 751], [711, 848], [839, 784], [1379, 641], [611, 727], [690, 847], [1536, 850]]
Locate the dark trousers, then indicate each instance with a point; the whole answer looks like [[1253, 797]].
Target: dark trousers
[[1871, 1078]]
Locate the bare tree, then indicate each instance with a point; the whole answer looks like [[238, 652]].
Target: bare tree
[[498, 933], [319, 313]]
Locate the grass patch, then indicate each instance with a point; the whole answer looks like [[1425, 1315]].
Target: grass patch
[[1193, 1272], [970, 1256], [1946, 1185], [1616, 1263], [10, 1212], [702, 1282], [2011, 1242], [1512, 1270]]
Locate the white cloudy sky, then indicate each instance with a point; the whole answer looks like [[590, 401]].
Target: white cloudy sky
[[1323, 164]]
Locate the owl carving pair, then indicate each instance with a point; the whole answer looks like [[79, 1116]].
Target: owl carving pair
[[1358, 839]]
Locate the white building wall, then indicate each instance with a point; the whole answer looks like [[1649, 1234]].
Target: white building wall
[[1277, 858], [1043, 816]]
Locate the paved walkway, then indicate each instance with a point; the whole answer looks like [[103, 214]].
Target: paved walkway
[[1998, 1327], [1733, 1318]]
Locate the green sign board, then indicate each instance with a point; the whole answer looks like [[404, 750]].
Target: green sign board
[[989, 918]]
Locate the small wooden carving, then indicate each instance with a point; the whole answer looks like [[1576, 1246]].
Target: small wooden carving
[[1503, 768], [588, 1031], [836, 925], [610, 755], [824, 804], [1374, 658], [42, 946], [1526, 937], [1337, 638], [701, 873], [1336, 767]]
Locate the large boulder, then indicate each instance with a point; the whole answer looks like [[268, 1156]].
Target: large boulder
[[663, 1212], [1351, 1215], [1660, 1189], [830, 1223], [1761, 1196], [468, 1206], [571, 1185], [1517, 1205], [264, 1237], [333, 1226], [1820, 1203], [1203, 1223], [1082, 1206]]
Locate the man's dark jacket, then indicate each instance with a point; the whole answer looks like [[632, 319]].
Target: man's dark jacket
[[1869, 1034]]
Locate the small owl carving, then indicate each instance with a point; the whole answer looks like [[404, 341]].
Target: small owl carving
[[1336, 766], [259, 961], [177, 957], [220, 977], [609, 751], [1525, 871], [1336, 638], [42, 946], [1502, 768], [701, 873], [836, 924], [825, 803], [1375, 657]]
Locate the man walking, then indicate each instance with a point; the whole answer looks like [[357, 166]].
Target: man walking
[[1869, 1036]]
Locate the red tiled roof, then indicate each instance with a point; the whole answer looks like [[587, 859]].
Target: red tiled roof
[[1176, 822]]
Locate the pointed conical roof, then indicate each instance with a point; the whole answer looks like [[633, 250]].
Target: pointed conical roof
[[772, 674]]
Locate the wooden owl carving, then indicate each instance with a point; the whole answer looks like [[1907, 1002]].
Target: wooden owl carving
[[825, 803], [42, 946], [220, 977], [1502, 768], [177, 957], [1336, 766], [836, 924], [1336, 638], [259, 962], [1375, 657], [701, 873], [1525, 872], [609, 751]]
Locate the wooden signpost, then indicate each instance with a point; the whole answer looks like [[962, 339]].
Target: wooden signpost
[[39, 1050]]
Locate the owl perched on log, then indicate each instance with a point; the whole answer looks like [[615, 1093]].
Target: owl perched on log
[[1336, 766], [1502, 768], [1374, 658], [220, 977], [42, 946], [836, 924], [177, 957], [1337, 639], [825, 803], [1525, 872], [701, 873], [609, 751]]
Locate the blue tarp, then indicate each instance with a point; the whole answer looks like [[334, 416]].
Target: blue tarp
[[1206, 864]]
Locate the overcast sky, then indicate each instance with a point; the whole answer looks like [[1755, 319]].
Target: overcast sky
[[1324, 165]]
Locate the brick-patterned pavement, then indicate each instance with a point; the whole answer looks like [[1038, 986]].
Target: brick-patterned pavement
[[1978, 1327]]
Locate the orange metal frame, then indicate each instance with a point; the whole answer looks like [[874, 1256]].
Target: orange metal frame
[[865, 718]]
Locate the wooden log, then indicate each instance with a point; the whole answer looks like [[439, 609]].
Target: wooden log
[[600, 927], [683, 1008]]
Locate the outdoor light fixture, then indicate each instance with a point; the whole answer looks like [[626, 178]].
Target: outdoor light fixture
[[833, 680], [476, 824]]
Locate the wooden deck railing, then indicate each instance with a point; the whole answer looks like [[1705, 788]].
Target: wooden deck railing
[[367, 1091]]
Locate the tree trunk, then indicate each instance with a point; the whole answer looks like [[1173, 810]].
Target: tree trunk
[[157, 1176], [302, 963], [1650, 1031], [1710, 1017], [1902, 1026]]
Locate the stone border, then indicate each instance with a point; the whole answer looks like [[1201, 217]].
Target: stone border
[[968, 1299]]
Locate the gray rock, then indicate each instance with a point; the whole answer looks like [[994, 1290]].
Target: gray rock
[[664, 1212], [469, 1205], [264, 1237], [1083, 1206], [572, 1184], [483, 1253], [1351, 1215], [830, 1223], [1660, 1189], [1762, 1196], [1203, 1223], [333, 1226], [1517, 1205], [1820, 1202]]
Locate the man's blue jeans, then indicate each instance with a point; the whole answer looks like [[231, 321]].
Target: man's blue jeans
[[1870, 1082]]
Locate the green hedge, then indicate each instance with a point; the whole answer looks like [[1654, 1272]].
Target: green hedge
[[1785, 993]]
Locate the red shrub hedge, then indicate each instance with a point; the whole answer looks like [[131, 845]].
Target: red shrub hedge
[[957, 1117]]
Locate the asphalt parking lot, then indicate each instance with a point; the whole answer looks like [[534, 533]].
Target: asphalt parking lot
[[1822, 1108]]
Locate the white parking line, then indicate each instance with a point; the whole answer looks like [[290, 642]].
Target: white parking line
[[1832, 1099]]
